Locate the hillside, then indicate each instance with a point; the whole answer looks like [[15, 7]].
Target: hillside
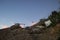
[[39, 31]]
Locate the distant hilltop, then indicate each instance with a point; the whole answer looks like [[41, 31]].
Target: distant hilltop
[[45, 29]]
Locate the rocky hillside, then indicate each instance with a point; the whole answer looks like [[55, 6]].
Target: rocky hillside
[[39, 31]]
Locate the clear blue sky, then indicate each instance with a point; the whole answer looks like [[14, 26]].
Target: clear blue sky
[[25, 11]]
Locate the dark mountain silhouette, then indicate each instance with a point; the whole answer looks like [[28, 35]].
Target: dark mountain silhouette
[[39, 31]]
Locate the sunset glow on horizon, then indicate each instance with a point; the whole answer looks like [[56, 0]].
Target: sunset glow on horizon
[[25, 11], [4, 26]]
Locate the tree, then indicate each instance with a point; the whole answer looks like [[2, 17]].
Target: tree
[[15, 26], [54, 17]]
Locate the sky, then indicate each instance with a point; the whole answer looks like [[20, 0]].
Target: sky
[[25, 11]]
